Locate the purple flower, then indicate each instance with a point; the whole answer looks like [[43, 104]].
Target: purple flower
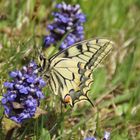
[[106, 136], [4, 101], [9, 85], [67, 25], [23, 93], [13, 74], [90, 138], [23, 90]]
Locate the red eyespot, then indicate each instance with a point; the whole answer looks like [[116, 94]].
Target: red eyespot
[[67, 99]]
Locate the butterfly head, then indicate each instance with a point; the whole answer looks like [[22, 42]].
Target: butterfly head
[[43, 62]]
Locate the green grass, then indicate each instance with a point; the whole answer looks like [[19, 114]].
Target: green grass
[[115, 91]]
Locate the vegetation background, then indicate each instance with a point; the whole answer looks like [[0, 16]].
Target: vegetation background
[[116, 90]]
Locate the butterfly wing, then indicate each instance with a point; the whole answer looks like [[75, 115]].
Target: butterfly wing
[[71, 69]]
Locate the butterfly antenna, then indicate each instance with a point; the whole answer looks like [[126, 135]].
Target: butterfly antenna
[[87, 98]]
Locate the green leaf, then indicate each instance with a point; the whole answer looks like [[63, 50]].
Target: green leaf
[[39, 112], [45, 135], [8, 125], [1, 98], [99, 77]]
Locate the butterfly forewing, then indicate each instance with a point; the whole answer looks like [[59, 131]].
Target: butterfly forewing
[[71, 69]]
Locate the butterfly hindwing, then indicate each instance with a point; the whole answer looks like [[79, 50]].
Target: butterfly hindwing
[[71, 69]]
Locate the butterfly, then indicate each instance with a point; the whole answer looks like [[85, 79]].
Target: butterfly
[[69, 72]]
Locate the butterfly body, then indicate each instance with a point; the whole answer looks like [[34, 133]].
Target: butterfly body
[[69, 72]]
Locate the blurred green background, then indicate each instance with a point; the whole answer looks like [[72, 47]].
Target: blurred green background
[[116, 90]]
